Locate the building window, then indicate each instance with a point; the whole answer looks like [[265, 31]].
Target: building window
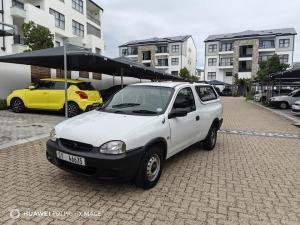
[[211, 75], [212, 48], [267, 44], [226, 47], [90, 29], [162, 49], [98, 51], [174, 61], [77, 5], [59, 19], [175, 48], [264, 58], [125, 52], [57, 44], [147, 55], [226, 61], [228, 74], [162, 62], [284, 58], [284, 43], [212, 62], [78, 28], [175, 73]]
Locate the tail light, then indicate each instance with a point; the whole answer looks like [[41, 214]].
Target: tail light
[[82, 94]]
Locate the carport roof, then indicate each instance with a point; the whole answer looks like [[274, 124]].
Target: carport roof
[[81, 59], [291, 75]]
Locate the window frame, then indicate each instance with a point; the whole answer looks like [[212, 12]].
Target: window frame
[[58, 17], [192, 108], [212, 61], [175, 48], [212, 48], [174, 61], [213, 90], [209, 74], [77, 5], [284, 43], [79, 27]]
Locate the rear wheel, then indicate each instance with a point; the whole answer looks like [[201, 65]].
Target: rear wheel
[[150, 168], [17, 105], [73, 109], [210, 141], [283, 105]]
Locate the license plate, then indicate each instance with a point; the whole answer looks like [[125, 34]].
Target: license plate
[[71, 158]]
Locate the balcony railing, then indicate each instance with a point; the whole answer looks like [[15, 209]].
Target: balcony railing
[[17, 4], [226, 64], [245, 69], [162, 50], [92, 18], [245, 55], [266, 46]]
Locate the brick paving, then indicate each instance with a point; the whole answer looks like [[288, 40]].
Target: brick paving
[[245, 180], [15, 126]]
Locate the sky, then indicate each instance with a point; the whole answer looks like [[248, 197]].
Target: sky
[[126, 20]]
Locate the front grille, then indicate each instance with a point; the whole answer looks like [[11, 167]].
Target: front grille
[[75, 145]]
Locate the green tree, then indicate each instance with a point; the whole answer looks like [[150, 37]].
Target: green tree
[[37, 37], [185, 74], [272, 65]]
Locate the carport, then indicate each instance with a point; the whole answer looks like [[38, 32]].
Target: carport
[[71, 57]]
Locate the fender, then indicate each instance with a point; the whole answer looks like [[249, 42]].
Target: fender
[[159, 140]]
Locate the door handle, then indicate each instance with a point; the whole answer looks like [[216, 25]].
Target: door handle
[[197, 118]]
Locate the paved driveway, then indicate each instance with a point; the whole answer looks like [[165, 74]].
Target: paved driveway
[[247, 179], [16, 128]]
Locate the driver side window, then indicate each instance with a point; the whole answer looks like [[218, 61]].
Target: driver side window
[[185, 100]]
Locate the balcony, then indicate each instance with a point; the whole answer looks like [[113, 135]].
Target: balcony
[[18, 9], [92, 18], [162, 50], [18, 45]]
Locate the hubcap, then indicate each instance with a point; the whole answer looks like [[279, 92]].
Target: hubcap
[[72, 109], [153, 167], [17, 105], [282, 105]]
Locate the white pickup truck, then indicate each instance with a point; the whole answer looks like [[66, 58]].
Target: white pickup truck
[[131, 136]]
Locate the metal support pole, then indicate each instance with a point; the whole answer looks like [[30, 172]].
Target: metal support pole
[[122, 71], [114, 80], [66, 81]]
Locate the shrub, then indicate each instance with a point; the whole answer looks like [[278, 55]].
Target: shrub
[[250, 95], [3, 104]]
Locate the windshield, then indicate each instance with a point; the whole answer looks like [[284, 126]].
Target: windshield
[[292, 93], [144, 100]]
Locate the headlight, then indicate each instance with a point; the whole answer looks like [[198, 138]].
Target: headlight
[[53, 135], [113, 148]]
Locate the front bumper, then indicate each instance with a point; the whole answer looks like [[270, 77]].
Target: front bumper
[[109, 167], [296, 109], [275, 104]]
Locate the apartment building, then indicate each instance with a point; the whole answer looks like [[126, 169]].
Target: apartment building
[[169, 54], [240, 53], [71, 21]]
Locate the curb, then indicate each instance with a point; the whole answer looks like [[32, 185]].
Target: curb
[[23, 141], [296, 121]]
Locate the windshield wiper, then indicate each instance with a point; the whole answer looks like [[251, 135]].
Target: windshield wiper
[[143, 111], [125, 105]]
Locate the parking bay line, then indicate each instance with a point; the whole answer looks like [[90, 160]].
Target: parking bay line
[[260, 133]]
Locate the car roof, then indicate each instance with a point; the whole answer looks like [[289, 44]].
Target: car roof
[[168, 84], [63, 80]]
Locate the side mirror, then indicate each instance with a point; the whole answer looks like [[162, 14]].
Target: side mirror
[[31, 87], [177, 113]]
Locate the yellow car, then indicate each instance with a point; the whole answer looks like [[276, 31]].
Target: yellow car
[[48, 94]]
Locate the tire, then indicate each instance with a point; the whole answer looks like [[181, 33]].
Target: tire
[[283, 105], [73, 109], [150, 168], [210, 141], [17, 105]]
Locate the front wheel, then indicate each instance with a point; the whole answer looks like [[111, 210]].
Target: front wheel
[[210, 141], [17, 105], [150, 168], [283, 105]]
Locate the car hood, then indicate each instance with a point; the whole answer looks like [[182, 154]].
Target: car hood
[[281, 98], [97, 128]]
